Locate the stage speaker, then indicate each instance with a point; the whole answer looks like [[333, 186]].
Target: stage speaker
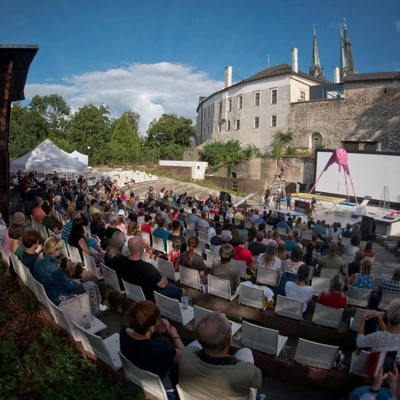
[[367, 227], [224, 196]]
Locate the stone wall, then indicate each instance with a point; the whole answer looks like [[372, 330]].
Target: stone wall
[[364, 114], [184, 172]]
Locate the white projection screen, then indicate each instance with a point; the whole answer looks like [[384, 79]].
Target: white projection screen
[[370, 173]]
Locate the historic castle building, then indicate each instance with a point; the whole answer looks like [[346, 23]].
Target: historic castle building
[[359, 109]]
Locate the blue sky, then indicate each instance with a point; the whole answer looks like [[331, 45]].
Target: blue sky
[[158, 56]]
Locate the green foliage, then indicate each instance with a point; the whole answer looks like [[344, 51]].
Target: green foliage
[[133, 118], [228, 153], [124, 141], [291, 151], [279, 140], [169, 130]]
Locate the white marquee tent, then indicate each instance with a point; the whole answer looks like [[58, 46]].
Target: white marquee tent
[[83, 158], [48, 157]]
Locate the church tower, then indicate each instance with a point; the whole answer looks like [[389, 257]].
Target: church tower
[[316, 68], [346, 63]]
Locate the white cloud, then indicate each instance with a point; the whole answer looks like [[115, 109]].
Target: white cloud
[[149, 89], [397, 23]]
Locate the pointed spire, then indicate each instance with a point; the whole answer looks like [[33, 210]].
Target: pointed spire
[[347, 65], [316, 67]]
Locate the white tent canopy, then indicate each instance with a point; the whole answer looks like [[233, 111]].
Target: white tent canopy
[[48, 157], [83, 158]]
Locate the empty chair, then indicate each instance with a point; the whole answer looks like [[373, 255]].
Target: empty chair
[[74, 253], [262, 339], [386, 298], [289, 308], [356, 320], [190, 277], [146, 380], [211, 258], [320, 285], [241, 265], [221, 288], [111, 278], [359, 297], [133, 292], [252, 296], [201, 229], [203, 237], [315, 354], [90, 265], [171, 308], [328, 273], [106, 350], [158, 244], [166, 268], [359, 363], [327, 316], [169, 246], [267, 276], [200, 313], [40, 293]]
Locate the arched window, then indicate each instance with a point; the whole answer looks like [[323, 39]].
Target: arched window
[[315, 141]]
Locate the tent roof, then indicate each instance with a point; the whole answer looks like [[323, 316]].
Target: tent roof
[[76, 153], [48, 157]]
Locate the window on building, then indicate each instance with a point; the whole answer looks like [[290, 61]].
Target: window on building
[[208, 130], [220, 107], [256, 122], [208, 112], [274, 96], [212, 128], [237, 124], [228, 126], [257, 96], [229, 105], [240, 102], [302, 96], [212, 112], [204, 114], [204, 131], [219, 127], [273, 121]]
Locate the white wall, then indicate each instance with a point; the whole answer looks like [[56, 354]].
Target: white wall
[[198, 167], [370, 173]]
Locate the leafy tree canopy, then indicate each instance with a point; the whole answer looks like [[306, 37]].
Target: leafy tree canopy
[[124, 141]]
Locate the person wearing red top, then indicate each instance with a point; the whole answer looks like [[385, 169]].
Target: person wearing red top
[[335, 297], [242, 254], [37, 212], [368, 250], [146, 227]]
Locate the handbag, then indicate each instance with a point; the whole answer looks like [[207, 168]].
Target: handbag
[[76, 307]]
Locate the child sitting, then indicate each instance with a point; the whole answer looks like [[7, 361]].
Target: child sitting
[[175, 254]]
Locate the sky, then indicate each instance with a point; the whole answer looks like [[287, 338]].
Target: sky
[[159, 56]]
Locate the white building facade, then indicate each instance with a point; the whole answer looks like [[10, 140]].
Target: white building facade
[[253, 110]]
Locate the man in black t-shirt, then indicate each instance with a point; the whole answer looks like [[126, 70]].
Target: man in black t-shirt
[[258, 247], [138, 272]]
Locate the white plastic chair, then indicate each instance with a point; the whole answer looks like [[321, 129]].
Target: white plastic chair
[[359, 297], [133, 292], [262, 339], [267, 276], [289, 308], [43, 231], [146, 380], [106, 350], [158, 244], [386, 299], [359, 363], [241, 265], [111, 278], [74, 253], [190, 277], [328, 273], [211, 258], [252, 296], [327, 316], [315, 354], [171, 308], [167, 268], [221, 288], [90, 265], [200, 313], [320, 285], [186, 396], [203, 237]]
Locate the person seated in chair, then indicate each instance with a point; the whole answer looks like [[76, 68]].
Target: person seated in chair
[[299, 290]]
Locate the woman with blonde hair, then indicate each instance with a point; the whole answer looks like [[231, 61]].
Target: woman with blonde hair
[[70, 210], [47, 271], [270, 258], [191, 259], [113, 257], [282, 255], [364, 279], [335, 296]]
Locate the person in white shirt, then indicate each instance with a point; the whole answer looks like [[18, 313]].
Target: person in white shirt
[[269, 259], [299, 290]]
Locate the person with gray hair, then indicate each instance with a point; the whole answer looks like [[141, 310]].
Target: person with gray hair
[[210, 373], [112, 226]]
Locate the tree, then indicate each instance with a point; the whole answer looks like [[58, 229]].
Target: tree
[[55, 110], [170, 129], [27, 129], [124, 141], [279, 140], [134, 119], [220, 153], [89, 132]]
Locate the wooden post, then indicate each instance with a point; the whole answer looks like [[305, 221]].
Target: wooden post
[[6, 70]]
